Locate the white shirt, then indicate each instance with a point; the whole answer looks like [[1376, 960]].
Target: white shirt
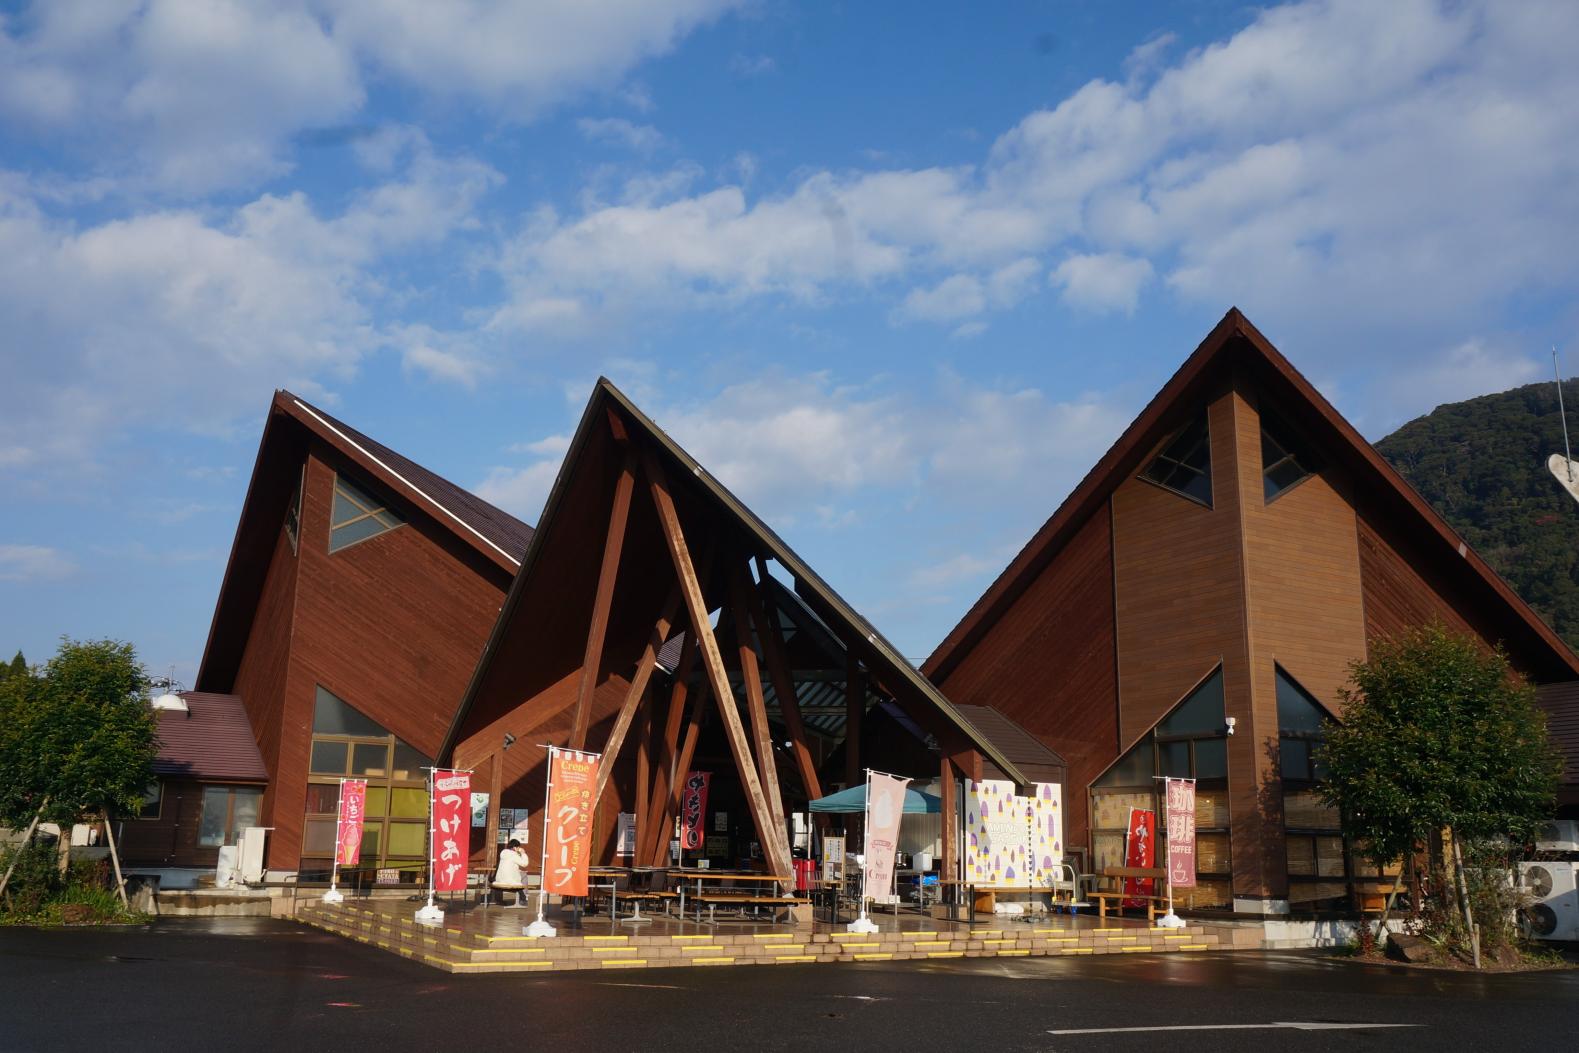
[[511, 860]]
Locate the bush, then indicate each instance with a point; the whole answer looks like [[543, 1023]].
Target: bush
[[38, 895], [36, 879]]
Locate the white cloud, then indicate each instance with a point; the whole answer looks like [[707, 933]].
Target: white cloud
[[1471, 368], [961, 567], [1108, 281], [33, 563], [617, 131], [519, 491], [751, 65]]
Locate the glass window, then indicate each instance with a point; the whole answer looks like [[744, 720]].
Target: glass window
[[318, 837], [1211, 758], [409, 803], [329, 757], [1201, 713], [409, 763], [1135, 768], [1173, 758], [1185, 463], [372, 833], [333, 716], [369, 758], [243, 811], [1297, 710], [323, 798], [1284, 460], [293, 514], [357, 516], [1295, 755], [377, 801], [408, 839], [216, 813], [153, 801]]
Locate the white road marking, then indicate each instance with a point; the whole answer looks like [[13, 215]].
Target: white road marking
[[1292, 1025], [654, 987]]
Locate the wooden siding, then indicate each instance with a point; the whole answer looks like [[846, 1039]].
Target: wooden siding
[[1397, 596], [170, 839], [1304, 611], [1048, 664], [393, 625], [265, 662]]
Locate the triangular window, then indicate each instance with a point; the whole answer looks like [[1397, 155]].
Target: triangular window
[[357, 516], [1187, 743], [1185, 463], [1284, 460], [1302, 726]]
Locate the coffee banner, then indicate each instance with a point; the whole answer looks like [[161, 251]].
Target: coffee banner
[[885, 804], [1181, 832], [348, 831], [451, 829], [568, 848], [693, 810]]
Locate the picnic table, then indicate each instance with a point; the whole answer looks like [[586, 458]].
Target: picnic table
[[724, 897]]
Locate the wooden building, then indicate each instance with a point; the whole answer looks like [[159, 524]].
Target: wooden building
[[360, 590], [1193, 607], [656, 620]]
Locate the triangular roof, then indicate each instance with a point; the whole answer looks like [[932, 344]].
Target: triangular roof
[[495, 535], [578, 502], [1236, 343]]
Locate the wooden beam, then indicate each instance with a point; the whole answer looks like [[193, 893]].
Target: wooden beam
[[949, 869], [643, 766], [647, 821], [633, 694], [773, 651], [756, 704], [775, 842], [592, 657], [669, 806], [854, 711]]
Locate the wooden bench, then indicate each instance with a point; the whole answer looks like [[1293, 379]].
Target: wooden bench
[[1154, 904], [714, 900]]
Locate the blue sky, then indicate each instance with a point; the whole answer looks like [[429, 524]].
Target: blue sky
[[898, 273]]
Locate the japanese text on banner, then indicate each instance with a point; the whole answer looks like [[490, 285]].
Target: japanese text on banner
[[451, 829], [348, 832], [569, 845], [884, 807], [693, 809], [1181, 833], [1140, 850]]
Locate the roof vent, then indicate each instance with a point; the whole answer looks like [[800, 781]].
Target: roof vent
[[171, 701]]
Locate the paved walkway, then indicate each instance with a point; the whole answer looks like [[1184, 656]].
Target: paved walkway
[[475, 939]]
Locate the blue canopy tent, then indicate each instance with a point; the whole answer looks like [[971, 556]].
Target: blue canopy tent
[[854, 800]]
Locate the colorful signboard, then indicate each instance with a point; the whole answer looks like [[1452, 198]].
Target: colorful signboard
[[348, 830], [1012, 840], [693, 809], [451, 829], [1140, 850], [568, 846], [1181, 832], [885, 804]]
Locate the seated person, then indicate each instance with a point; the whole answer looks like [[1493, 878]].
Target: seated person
[[512, 861]]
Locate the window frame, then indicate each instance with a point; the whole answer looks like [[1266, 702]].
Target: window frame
[[231, 792], [1205, 418], [1295, 451], [293, 513], [377, 513]]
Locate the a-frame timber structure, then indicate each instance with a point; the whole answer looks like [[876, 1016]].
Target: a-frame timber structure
[[652, 613]]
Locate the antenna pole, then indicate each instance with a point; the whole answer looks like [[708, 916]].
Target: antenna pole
[[1567, 453]]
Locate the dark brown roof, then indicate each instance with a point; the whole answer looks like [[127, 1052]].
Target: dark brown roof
[[1561, 703], [1039, 763], [212, 741], [1235, 343], [498, 537]]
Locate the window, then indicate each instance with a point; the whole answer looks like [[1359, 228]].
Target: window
[[1191, 743], [1284, 460], [227, 810], [1185, 463], [151, 806], [357, 516], [293, 514], [346, 743], [1312, 833]]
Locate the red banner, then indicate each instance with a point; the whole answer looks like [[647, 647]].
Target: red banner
[[1140, 850], [452, 820], [571, 777], [348, 831], [693, 810], [885, 804], [1181, 832]]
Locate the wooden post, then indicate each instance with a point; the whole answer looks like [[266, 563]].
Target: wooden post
[[26, 840], [592, 658], [671, 806], [643, 766], [756, 704], [633, 694], [950, 865], [773, 651], [775, 843], [495, 788], [115, 860], [854, 711], [648, 824]]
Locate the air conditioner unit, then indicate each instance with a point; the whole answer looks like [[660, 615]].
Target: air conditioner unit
[[1554, 889], [1559, 835]]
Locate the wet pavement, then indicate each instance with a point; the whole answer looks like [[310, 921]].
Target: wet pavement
[[246, 984]]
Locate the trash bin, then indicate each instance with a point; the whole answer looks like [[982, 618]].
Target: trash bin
[[805, 874]]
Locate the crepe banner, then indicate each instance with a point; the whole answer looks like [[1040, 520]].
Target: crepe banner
[[348, 831], [885, 803], [1181, 833], [569, 846], [693, 810], [1140, 850], [451, 829], [1013, 840]]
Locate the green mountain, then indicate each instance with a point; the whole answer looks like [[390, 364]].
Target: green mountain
[[1482, 465]]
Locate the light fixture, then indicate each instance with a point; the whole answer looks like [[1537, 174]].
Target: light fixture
[[509, 740], [1231, 722]]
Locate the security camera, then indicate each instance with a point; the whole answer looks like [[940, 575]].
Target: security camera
[[1231, 722]]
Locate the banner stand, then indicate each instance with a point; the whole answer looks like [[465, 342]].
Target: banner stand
[[1169, 920], [430, 914], [863, 923], [541, 928], [334, 896]]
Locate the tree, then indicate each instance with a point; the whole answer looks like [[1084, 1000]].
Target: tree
[[79, 740], [16, 667], [1439, 736]]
